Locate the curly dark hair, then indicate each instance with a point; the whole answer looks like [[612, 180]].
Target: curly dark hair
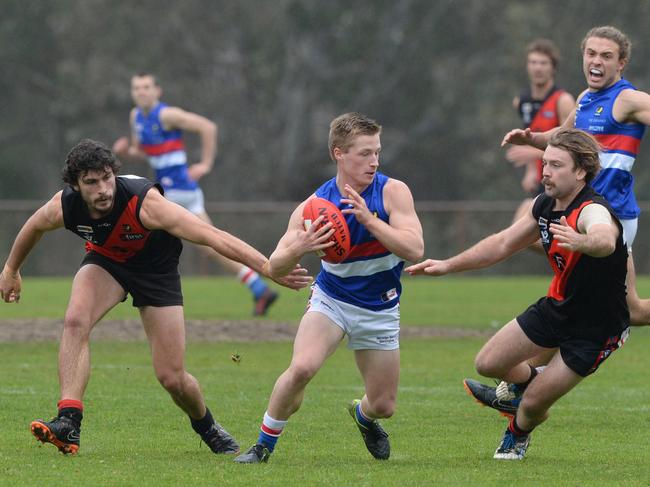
[[88, 155]]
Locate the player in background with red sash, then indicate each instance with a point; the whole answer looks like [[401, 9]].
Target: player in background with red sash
[[541, 106]]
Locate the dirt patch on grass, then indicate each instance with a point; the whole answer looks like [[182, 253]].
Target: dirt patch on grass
[[40, 329]]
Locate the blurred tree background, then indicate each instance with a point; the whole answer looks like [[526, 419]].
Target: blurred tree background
[[439, 75]]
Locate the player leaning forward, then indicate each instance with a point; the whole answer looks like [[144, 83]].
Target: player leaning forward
[[585, 312], [358, 297], [133, 245]]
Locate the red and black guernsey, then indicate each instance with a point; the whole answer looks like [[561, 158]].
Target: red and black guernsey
[[540, 115], [586, 293], [120, 236]]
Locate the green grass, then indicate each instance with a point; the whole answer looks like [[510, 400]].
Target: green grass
[[134, 435], [464, 302]]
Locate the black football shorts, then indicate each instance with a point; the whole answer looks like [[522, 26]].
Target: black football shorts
[[146, 288], [582, 353]]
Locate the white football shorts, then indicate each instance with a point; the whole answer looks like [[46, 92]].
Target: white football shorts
[[366, 329], [629, 231], [192, 200]]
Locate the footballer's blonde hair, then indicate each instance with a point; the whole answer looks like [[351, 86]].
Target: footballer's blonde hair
[[344, 128]]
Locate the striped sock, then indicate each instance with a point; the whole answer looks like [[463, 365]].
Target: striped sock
[[515, 429], [71, 408], [362, 419], [70, 403], [252, 280], [270, 431]]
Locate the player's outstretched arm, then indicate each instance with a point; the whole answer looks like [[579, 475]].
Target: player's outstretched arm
[[298, 241], [527, 137], [158, 213], [46, 218], [429, 267], [485, 253], [517, 137], [538, 139]]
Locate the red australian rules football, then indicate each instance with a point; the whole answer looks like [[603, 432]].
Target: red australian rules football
[[316, 207]]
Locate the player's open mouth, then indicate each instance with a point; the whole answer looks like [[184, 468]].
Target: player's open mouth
[[595, 73]]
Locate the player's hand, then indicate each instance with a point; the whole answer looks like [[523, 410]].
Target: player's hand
[[357, 206], [10, 286], [315, 237], [197, 171], [298, 278], [518, 137], [429, 267], [121, 147], [566, 236], [520, 155]]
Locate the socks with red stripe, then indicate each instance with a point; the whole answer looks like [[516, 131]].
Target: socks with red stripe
[[253, 281], [515, 429], [270, 431], [71, 408]]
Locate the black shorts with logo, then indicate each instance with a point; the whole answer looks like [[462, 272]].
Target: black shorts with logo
[[581, 352], [146, 288]]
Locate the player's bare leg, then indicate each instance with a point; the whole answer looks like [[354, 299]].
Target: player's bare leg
[[544, 391], [94, 292], [639, 308], [317, 338], [380, 372], [165, 328], [505, 356]]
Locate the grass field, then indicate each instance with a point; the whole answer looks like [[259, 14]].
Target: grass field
[[458, 302], [133, 434]]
